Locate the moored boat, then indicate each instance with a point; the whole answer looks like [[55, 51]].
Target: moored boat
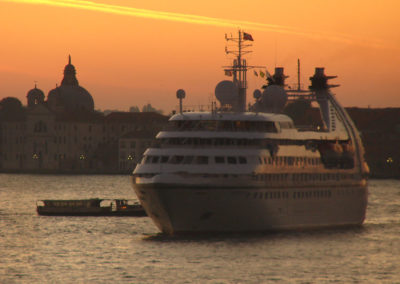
[[90, 207]]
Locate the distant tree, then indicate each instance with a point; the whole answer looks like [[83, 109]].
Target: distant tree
[[134, 109]]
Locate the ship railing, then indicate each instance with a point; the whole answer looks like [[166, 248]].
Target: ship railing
[[313, 128], [209, 129], [194, 108], [306, 95], [222, 126], [208, 146]]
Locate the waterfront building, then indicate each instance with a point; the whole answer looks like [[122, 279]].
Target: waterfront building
[[131, 148], [64, 133]]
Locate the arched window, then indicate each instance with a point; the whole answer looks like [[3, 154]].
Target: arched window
[[40, 126]]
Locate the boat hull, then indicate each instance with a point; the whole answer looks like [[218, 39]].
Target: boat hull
[[102, 211], [73, 211], [178, 209]]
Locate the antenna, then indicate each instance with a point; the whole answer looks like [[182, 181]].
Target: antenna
[[298, 75], [239, 67], [276, 50]]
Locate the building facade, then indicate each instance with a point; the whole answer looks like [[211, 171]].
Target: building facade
[[131, 148], [64, 134]]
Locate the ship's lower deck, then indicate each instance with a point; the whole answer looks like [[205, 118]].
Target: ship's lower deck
[[186, 209]]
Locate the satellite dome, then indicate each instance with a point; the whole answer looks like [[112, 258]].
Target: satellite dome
[[226, 92], [274, 98], [180, 94]]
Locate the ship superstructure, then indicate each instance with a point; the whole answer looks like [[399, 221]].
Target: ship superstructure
[[231, 170]]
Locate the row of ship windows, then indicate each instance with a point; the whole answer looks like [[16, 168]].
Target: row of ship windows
[[289, 161], [201, 160], [309, 194], [226, 125], [303, 177], [277, 177], [261, 142], [211, 141], [295, 195]]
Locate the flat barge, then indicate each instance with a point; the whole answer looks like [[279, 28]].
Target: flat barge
[[90, 207]]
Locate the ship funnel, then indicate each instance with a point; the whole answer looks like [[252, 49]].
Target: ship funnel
[[319, 81], [278, 78], [319, 84]]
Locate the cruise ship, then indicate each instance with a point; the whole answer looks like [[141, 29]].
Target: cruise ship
[[240, 168]]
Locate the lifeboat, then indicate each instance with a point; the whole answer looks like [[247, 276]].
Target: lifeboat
[[331, 154], [347, 159]]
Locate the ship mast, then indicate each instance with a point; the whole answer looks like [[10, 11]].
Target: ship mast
[[239, 67]]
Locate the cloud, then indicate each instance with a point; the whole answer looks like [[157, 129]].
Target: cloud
[[202, 20]]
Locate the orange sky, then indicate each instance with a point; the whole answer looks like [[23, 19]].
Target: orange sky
[[137, 52]]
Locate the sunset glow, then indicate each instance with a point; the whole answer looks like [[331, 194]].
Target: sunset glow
[[132, 53], [195, 19]]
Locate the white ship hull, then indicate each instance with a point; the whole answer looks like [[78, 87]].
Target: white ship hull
[[177, 209]]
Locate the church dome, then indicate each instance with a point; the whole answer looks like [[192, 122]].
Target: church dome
[[11, 108], [35, 96], [70, 96], [10, 104], [35, 92]]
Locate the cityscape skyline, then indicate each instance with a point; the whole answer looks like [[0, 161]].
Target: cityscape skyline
[[127, 59]]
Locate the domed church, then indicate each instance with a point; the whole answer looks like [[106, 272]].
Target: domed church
[[69, 96], [64, 134]]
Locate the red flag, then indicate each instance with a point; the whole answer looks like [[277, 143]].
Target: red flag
[[247, 36]]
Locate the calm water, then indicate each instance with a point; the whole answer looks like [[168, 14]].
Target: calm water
[[40, 249]]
